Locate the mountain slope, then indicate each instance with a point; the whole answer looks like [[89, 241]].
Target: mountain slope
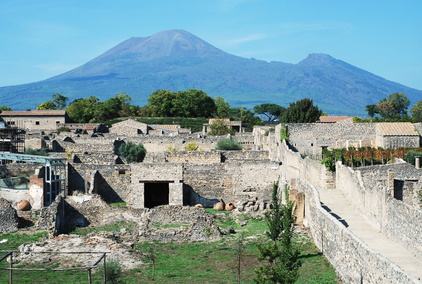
[[178, 60]]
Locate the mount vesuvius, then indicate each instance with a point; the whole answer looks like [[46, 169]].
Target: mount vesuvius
[[178, 60]]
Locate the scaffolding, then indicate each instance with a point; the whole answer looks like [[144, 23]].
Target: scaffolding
[[54, 173], [12, 138]]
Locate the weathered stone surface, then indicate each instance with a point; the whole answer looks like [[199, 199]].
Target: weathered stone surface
[[89, 248], [9, 220]]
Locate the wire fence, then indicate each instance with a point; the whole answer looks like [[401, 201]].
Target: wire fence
[[10, 255]]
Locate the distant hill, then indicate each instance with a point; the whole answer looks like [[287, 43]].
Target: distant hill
[[178, 60]]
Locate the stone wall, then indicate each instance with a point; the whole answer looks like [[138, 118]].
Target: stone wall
[[309, 138], [353, 260], [9, 220], [109, 142], [370, 192], [111, 182], [305, 168]]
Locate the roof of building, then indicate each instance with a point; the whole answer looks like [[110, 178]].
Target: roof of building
[[397, 129], [332, 119], [166, 127], [34, 113]]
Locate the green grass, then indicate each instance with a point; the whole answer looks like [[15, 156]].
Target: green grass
[[187, 262], [118, 204]]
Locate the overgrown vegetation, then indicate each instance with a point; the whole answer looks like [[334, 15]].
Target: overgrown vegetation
[[113, 271], [228, 144], [366, 156], [62, 129], [191, 146], [36, 152], [284, 133], [219, 127], [132, 152], [280, 254]]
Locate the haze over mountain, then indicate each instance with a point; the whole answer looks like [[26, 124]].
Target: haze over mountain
[[178, 60]]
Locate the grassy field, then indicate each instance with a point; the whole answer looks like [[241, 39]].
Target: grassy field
[[185, 262]]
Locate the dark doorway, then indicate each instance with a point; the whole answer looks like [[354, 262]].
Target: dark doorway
[[156, 194]]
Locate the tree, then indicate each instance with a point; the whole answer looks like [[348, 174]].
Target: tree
[[392, 107], [247, 117], [219, 127], [58, 101], [46, 106], [271, 111], [5, 108], [83, 110], [386, 109], [302, 111], [132, 152], [400, 103], [222, 108], [416, 112], [190, 103], [280, 254], [372, 110]]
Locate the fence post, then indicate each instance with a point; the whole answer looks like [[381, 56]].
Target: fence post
[[89, 276], [11, 271], [105, 269]]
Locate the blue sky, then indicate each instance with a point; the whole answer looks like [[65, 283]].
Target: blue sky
[[43, 38]]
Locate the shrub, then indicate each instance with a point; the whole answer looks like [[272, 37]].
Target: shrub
[[410, 156], [284, 133], [228, 144], [113, 271], [191, 146], [132, 152], [62, 129], [36, 152]]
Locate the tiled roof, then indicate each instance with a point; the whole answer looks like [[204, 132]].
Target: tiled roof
[[34, 113], [332, 119], [397, 129], [168, 127]]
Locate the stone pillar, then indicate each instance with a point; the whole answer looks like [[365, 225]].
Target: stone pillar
[[417, 162], [176, 193], [390, 183]]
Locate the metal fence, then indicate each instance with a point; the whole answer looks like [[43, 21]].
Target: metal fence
[[10, 254]]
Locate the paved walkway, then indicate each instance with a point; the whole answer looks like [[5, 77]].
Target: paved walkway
[[335, 202]]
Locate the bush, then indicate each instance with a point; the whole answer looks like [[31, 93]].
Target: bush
[[132, 152], [62, 129], [228, 144], [410, 156], [191, 146], [36, 152], [113, 271]]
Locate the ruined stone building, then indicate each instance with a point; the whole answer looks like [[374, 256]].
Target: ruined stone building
[[386, 196]]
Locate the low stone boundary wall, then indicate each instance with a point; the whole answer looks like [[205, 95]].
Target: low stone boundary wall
[[369, 192], [353, 260]]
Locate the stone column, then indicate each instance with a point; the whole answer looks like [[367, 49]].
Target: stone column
[[417, 162]]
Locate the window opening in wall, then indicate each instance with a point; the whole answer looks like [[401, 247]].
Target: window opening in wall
[[122, 172], [57, 122], [156, 194], [37, 123]]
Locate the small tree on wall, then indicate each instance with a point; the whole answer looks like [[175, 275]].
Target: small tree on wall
[[279, 253], [132, 152]]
